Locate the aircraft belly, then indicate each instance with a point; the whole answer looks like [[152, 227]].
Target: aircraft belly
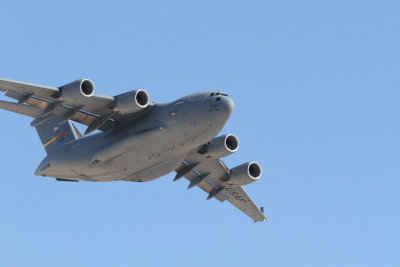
[[161, 168], [145, 162], [125, 167], [149, 157]]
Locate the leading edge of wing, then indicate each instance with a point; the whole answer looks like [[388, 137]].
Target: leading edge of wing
[[39, 90]]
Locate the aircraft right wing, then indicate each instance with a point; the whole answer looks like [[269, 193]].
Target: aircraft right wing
[[210, 175]]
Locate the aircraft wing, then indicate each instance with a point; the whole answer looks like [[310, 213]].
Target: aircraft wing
[[209, 174], [93, 111]]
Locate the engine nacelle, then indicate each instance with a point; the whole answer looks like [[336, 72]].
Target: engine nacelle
[[77, 90], [131, 102], [222, 146], [246, 173]]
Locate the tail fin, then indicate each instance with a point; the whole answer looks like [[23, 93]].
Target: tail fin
[[53, 135]]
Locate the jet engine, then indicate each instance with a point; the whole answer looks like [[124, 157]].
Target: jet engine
[[222, 146], [245, 174], [77, 90], [131, 102]]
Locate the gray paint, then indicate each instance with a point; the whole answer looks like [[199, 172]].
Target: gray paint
[[144, 149], [138, 142]]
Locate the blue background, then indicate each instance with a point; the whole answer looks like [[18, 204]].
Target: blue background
[[316, 90]]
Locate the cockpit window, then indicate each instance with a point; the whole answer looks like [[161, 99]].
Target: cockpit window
[[217, 94]]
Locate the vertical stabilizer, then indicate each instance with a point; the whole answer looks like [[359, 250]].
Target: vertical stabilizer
[[53, 135], [77, 132]]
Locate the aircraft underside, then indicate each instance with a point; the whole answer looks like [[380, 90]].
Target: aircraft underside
[[130, 138]]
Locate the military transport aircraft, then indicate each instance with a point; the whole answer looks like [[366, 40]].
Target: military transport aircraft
[[137, 140]]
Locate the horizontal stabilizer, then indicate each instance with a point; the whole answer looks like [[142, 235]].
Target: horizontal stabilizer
[[66, 180]]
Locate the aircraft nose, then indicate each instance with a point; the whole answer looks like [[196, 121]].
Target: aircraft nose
[[227, 105]]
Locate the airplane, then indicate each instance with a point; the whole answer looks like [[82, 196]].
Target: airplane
[[131, 138]]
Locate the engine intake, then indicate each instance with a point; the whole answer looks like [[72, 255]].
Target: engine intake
[[246, 173], [131, 102], [222, 146], [77, 90]]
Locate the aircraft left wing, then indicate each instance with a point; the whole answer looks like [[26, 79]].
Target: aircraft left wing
[[211, 175], [96, 104], [98, 112]]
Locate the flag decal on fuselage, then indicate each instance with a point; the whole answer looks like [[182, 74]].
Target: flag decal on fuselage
[[55, 138]]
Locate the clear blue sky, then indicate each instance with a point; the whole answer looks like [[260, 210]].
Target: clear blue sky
[[316, 88]]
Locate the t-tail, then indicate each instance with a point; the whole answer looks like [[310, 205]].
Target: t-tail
[[53, 130], [53, 134]]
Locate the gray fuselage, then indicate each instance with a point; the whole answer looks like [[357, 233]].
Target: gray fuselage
[[144, 149]]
